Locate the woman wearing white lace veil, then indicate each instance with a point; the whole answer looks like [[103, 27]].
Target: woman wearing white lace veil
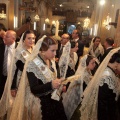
[[96, 49], [41, 74], [72, 97], [72, 59], [99, 102], [22, 52], [4, 103]]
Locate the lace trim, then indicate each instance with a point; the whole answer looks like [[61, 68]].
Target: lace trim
[[21, 55], [47, 77], [87, 77], [111, 80], [64, 60], [72, 63]]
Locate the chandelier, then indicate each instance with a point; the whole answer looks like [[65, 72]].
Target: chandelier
[[106, 22], [86, 23], [47, 21], [2, 14], [37, 17]]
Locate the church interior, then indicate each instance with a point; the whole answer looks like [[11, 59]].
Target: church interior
[[91, 17]]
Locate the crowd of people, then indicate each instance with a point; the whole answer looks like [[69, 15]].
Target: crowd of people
[[56, 79]]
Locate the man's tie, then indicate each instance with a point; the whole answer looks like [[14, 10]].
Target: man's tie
[[5, 62], [61, 50]]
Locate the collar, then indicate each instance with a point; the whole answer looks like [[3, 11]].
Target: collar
[[109, 47], [76, 39], [12, 46]]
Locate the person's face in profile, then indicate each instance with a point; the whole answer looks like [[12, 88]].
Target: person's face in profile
[[51, 52]]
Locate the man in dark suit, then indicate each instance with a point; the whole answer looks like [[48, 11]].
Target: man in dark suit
[[6, 51], [76, 37], [64, 39], [2, 32], [108, 44]]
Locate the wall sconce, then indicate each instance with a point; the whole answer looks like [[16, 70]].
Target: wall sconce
[[3, 11], [86, 23], [37, 18], [106, 22], [47, 21]]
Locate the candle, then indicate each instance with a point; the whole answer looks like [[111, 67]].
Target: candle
[[57, 28]]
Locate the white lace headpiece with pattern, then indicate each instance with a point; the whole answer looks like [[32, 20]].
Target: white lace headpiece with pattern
[[89, 104]]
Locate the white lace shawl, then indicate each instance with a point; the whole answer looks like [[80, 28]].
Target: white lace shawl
[[89, 104], [99, 50], [26, 106], [73, 61], [41, 71], [64, 60], [74, 94]]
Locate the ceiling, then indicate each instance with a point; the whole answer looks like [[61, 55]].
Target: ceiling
[[61, 6]]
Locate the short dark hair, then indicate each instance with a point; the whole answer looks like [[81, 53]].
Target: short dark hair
[[115, 57], [89, 58], [73, 43], [97, 37], [2, 27], [47, 42], [27, 32], [110, 41]]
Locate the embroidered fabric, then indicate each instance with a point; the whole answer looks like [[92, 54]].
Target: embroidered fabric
[[39, 69], [75, 90], [82, 65], [99, 50], [72, 61], [111, 80], [64, 60], [89, 104], [24, 100]]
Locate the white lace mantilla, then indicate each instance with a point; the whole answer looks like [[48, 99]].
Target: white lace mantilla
[[41, 70], [72, 63], [21, 55], [87, 77], [111, 80]]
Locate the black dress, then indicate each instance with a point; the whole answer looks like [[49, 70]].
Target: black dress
[[51, 109], [19, 67], [107, 105]]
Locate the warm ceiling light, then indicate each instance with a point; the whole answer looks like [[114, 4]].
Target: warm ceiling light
[[102, 2], [107, 21], [37, 17], [88, 6], [47, 21], [61, 5], [112, 5], [2, 14]]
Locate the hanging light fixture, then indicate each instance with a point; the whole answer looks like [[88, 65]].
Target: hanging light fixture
[[2, 14], [37, 18], [47, 21], [107, 21], [86, 23]]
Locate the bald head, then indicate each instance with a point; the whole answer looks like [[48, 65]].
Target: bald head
[[10, 37], [64, 39]]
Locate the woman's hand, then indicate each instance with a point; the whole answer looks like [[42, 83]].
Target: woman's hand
[[56, 83]]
